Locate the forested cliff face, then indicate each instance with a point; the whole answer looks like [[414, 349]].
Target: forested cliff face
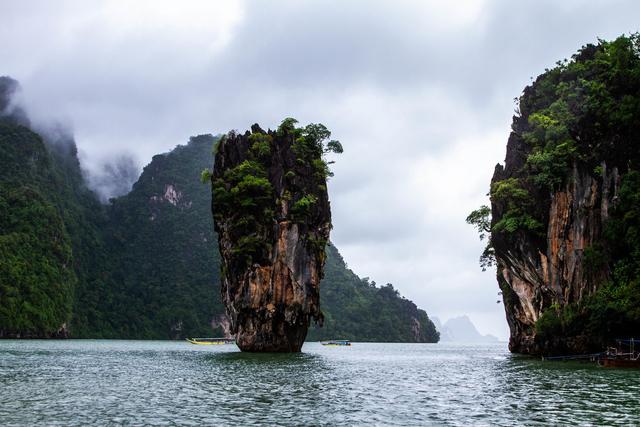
[[565, 210], [49, 227], [145, 265], [160, 281]]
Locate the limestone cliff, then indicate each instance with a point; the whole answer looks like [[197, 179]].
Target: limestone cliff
[[271, 213], [535, 272], [559, 232]]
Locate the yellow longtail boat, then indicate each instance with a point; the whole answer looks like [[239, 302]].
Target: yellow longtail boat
[[211, 341]]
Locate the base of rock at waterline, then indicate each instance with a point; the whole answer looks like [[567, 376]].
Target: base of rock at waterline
[[287, 339]]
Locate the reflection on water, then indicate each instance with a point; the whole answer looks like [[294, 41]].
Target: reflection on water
[[159, 382]]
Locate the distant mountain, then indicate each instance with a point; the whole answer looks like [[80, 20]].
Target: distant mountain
[[460, 329]]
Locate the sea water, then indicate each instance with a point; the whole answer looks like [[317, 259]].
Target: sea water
[[78, 382]]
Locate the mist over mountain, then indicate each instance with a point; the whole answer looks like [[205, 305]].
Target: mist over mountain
[[115, 177], [8, 107]]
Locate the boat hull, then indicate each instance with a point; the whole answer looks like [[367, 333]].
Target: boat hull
[[339, 343], [619, 363], [209, 341]]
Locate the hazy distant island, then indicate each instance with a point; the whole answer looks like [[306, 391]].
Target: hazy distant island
[[564, 223], [461, 330], [144, 265]]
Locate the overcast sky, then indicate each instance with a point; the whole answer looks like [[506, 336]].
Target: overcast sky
[[420, 93]]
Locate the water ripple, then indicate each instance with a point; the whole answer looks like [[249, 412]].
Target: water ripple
[[169, 383]]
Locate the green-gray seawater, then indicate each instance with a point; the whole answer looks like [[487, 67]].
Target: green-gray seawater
[[78, 382]]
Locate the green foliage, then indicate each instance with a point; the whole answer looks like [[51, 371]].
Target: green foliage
[[550, 167], [578, 114], [244, 189], [260, 145], [301, 209], [481, 220], [316, 134], [311, 143], [37, 280], [249, 248], [245, 196], [334, 146], [518, 207], [609, 313], [549, 324], [510, 192], [581, 108], [594, 258], [287, 127], [205, 175]]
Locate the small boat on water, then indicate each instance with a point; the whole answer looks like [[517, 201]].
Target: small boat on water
[[211, 341], [622, 356], [336, 343]]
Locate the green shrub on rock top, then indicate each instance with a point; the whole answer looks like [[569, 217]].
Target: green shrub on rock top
[[245, 199], [260, 145]]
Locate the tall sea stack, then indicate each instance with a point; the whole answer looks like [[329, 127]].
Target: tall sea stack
[[565, 207], [271, 212]]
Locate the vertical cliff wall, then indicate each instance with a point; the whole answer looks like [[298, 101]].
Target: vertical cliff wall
[[562, 227], [538, 272], [271, 212]]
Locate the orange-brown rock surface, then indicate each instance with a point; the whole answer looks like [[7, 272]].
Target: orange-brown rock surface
[[535, 273]]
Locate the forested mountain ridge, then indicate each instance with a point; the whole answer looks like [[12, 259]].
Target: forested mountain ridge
[[49, 226], [145, 265], [162, 255]]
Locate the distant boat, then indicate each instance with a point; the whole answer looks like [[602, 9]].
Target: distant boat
[[622, 356], [211, 341], [336, 342]]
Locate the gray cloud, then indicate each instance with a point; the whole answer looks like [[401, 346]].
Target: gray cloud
[[420, 93]]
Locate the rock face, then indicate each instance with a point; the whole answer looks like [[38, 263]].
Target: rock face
[[562, 230], [535, 273], [271, 212]]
